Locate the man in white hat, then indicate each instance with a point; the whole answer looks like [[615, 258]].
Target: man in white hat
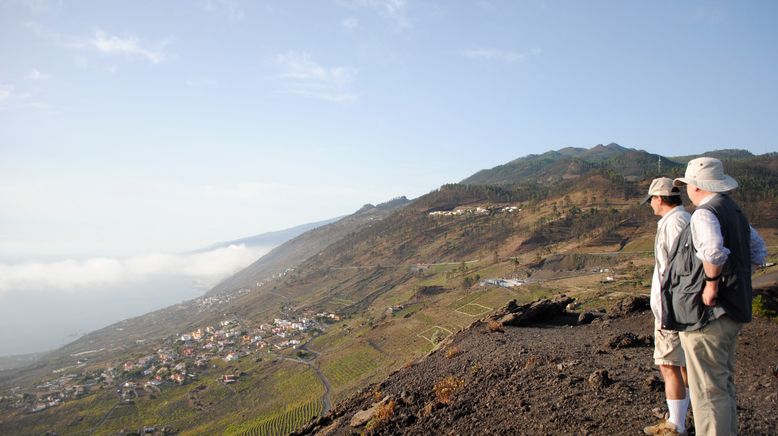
[[727, 246], [665, 201]]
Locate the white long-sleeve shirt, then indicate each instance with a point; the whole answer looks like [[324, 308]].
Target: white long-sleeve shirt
[[709, 243], [667, 230]]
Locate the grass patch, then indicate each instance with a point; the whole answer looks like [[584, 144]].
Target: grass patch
[[473, 309]]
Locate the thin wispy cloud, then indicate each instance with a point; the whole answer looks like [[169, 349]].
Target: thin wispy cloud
[[101, 274], [107, 44], [128, 45], [393, 9], [35, 74], [303, 76], [492, 54], [349, 23], [232, 8], [11, 98]]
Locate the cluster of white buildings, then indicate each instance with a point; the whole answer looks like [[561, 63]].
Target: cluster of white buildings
[[504, 283], [54, 392], [184, 353], [475, 211]]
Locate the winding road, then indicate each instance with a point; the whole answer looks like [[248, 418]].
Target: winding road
[[327, 397]]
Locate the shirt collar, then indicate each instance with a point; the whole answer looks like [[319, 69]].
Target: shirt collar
[[674, 210]]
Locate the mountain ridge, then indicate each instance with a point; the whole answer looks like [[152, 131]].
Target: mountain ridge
[[417, 272]]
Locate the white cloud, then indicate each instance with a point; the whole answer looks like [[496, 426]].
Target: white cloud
[[349, 23], [392, 9], [128, 45], [303, 76], [492, 54], [300, 66], [11, 98], [101, 274], [35, 74], [232, 8], [106, 44]]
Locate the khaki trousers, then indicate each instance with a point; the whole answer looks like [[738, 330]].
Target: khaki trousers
[[710, 363]]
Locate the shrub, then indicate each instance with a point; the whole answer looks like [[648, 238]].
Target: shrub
[[452, 352], [765, 307], [382, 415], [446, 388]]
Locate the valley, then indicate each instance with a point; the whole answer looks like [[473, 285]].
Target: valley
[[345, 305]]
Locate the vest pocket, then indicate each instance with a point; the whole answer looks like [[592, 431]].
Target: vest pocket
[[686, 253], [687, 305]]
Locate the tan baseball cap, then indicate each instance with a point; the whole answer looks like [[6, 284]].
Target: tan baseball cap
[[707, 173], [661, 186]]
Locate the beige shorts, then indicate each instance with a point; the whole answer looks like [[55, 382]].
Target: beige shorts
[[667, 348]]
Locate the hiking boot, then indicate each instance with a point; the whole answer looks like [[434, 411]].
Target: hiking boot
[[664, 428]]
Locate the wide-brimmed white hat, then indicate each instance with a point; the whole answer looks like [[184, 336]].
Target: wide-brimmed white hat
[[707, 173]]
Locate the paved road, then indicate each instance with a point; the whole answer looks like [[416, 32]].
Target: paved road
[[327, 397]]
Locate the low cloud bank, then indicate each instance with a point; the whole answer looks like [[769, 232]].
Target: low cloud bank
[[102, 274]]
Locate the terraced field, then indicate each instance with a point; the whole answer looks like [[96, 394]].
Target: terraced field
[[281, 423], [351, 365]]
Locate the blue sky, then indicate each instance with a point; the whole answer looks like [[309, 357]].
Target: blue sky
[[139, 128], [129, 126]]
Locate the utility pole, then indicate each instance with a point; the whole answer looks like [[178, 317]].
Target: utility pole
[[659, 165]]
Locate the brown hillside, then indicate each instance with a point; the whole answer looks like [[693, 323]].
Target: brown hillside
[[547, 378]]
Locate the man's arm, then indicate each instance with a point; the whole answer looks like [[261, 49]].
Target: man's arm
[[709, 243]]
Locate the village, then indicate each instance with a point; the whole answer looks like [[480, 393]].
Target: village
[[475, 211], [179, 360]]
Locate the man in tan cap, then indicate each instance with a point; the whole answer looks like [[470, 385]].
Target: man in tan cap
[[665, 201], [724, 248]]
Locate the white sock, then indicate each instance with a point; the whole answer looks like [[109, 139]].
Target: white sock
[[677, 409]]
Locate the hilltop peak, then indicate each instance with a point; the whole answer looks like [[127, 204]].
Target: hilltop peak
[[611, 147], [571, 162]]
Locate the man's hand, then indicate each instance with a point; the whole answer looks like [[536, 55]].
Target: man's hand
[[710, 293], [711, 289]]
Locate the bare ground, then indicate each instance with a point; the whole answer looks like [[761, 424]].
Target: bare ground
[[549, 378]]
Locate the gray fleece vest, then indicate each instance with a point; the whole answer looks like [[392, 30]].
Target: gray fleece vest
[[683, 309]]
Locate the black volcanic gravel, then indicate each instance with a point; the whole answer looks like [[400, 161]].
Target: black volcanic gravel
[[551, 379]]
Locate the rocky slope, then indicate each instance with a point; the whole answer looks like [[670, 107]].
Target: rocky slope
[[546, 376]]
